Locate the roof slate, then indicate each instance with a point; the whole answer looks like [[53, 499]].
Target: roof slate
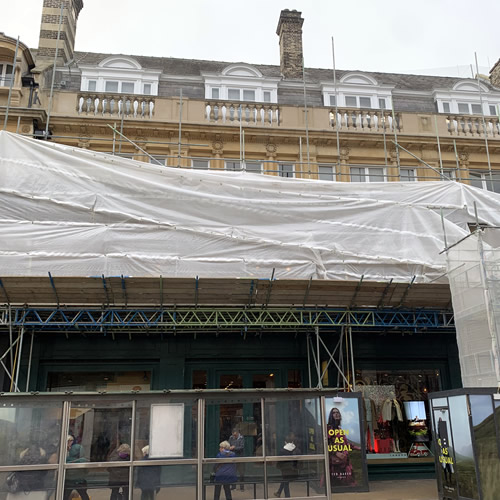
[[194, 67]]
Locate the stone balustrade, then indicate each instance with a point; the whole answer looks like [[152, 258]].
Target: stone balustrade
[[104, 104], [473, 126], [365, 120], [251, 113]]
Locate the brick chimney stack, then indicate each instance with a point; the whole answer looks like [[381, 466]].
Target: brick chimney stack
[[50, 25], [495, 75], [290, 32]]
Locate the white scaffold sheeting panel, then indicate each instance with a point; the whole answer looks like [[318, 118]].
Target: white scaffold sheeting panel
[[76, 212]]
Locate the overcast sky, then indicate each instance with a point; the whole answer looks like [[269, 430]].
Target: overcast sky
[[428, 36]]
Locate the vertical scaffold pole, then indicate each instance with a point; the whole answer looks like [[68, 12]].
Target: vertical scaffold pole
[[11, 86], [21, 333], [180, 130], [352, 361], [306, 117], [318, 362], [336, 103], [29, 362], [309, 360]]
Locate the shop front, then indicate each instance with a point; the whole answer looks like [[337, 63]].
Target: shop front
[[180, 444]]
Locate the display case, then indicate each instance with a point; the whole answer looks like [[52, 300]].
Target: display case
[[466, 424]]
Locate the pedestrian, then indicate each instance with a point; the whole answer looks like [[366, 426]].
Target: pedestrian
[[237, 443], [289, 469], [225, 473]]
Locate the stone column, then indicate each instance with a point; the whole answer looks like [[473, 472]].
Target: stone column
[[344, 173]]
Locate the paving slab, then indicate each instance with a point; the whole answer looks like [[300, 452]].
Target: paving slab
[[412, 489]]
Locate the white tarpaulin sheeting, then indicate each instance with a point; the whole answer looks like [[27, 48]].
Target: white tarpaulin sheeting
[[76, 212]]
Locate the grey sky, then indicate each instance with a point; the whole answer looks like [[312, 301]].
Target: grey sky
[[383, 35]]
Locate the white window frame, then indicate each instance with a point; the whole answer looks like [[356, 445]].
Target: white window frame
[[200, 160], [281, 171], [484, 178], [412, 174], [241, 77], [4, 81], [120, 69], [450, 173], [332, 173], [366, 173], [232, 169], [159, 158], [357, 85]]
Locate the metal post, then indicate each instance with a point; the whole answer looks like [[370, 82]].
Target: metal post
[[10, 340], [11, 85], [439, 146], [352, 361], [264, 451], [51, 95], [394, 125], [243, 147], [305, 116], [180, 130], [132, 453], [336, 103], [444, 229], [114, 138], [318, 359], [201, 447], [241, 133], [456, 159], [29, 362], [63, 444], [484, 122], [309, 361], [324, 425], [19, 356]]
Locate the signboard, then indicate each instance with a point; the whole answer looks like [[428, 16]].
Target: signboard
[[166, 434]]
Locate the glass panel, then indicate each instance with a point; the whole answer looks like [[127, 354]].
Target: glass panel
[[476, 109], [296, 421], [233, 94], [100, 432], [147, 89], [165, 482], [293, 478], [294, 380], [233, 165], [97, 483], [264, 381], [253, 166], [463, 108], [128, 87], [376, 174], [365, 102], [351, 101], [448, 174], [29, 434], [493, 110], [238, 422], [202, 164], [325, 173], [267, 96], [358, 174], [30, 485], [215, 93], [476, 179], [220, 478], [465, 465], [439, 402], [154, 423], [398, 431], [332, 100], [446, 107], [344, 443], [249, 95], [381, 103], [92, 85], [486, 444], [285, 170], [99, 381], [111, 87], [493, 182], [158, 159], [199, 379], [407, 174], [446, 452]]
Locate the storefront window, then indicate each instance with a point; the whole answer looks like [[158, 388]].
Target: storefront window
[[397, 414], [99, 381]]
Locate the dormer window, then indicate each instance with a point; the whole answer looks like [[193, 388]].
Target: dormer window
[[464, 99], [241, 82], [356, 90], [120, 75]]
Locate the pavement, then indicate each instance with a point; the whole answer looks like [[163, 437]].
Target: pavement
[[411, 489]]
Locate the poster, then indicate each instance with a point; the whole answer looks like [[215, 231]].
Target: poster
[[445, 453], [346, 452], [166, 434]]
